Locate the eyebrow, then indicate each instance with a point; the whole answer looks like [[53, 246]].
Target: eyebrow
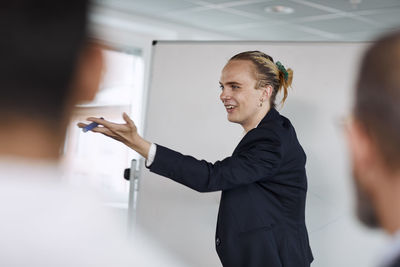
[[231, 83]]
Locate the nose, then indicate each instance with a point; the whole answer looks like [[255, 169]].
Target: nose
[[224, 96]]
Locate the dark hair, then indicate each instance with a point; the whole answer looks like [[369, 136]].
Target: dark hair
[[39, 48], [377, 102], [268, 73]]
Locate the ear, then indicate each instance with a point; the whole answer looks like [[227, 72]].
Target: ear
[[266, 92], [89, 73]]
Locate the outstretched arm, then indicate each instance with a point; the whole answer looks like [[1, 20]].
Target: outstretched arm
[[259, 160]]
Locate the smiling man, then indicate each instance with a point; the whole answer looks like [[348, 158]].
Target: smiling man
[[261, 219]]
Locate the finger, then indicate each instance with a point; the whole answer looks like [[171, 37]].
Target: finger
[[94, 119], [103, 130], [128, 120], [108, 133], [105, 123], [82, 125]]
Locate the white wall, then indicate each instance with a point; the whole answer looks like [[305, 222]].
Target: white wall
[[184, 113]]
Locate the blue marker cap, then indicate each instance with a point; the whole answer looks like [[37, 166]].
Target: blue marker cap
[[90, 126]]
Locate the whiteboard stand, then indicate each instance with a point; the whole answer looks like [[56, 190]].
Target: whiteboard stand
[[132, 175]]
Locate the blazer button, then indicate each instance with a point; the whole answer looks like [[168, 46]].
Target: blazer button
[[217, 241]]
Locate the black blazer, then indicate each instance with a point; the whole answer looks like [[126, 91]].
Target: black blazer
[[261, 220]]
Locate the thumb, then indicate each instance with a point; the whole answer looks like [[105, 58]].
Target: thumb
[[128, 120]]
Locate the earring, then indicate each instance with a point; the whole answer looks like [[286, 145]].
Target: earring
[[261, 104]]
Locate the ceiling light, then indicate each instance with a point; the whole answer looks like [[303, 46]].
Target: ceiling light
[[355, 3], [284, 10]]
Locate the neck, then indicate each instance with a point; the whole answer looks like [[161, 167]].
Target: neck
[[31, 139], [255, 120]]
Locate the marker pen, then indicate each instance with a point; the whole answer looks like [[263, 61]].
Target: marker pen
[[91, 126]]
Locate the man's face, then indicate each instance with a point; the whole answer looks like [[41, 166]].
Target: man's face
[[239, 95], [361, 155]]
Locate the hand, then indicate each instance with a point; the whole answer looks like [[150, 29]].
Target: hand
[[125, 133]]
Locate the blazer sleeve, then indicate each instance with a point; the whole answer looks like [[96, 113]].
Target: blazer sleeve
[[257, 161]]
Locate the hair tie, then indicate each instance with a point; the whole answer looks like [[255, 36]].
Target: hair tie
[[282, 69]]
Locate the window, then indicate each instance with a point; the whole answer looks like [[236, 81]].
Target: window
[[98, 160]]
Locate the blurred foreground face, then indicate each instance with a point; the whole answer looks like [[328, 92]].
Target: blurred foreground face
[[46, 67], [374, 135], [365, 209]]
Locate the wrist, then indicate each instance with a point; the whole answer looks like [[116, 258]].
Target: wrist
[[136, 140], [140, 145]]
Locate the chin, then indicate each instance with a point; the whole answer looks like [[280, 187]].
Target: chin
[[232, 119], [365, 210]]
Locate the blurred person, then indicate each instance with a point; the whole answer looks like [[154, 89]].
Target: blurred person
[[261, 218], [373, 135], [47, 66]]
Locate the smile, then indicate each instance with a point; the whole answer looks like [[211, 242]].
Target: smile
[[230, 108]]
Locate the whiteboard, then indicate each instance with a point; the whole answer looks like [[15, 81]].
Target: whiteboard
[[184, 113]]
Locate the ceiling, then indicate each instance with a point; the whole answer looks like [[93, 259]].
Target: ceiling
[[312, 20]]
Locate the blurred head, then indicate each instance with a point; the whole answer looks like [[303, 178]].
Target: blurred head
[[46, 62], [374, 133], [250, 82]]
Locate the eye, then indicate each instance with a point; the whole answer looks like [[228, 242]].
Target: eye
[[235, 87], [221, 87]]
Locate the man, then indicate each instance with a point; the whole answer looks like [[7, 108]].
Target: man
[[261, 214], [374, 141], [47, 66]]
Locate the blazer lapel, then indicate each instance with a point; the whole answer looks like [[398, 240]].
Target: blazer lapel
[[272, 114]]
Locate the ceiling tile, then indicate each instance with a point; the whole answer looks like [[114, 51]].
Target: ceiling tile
[[339, 25], [212, 2], [345, 5], [299, 10], [153, 7], [362, 36], [268, 32], [212, 19], [390, 18]]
